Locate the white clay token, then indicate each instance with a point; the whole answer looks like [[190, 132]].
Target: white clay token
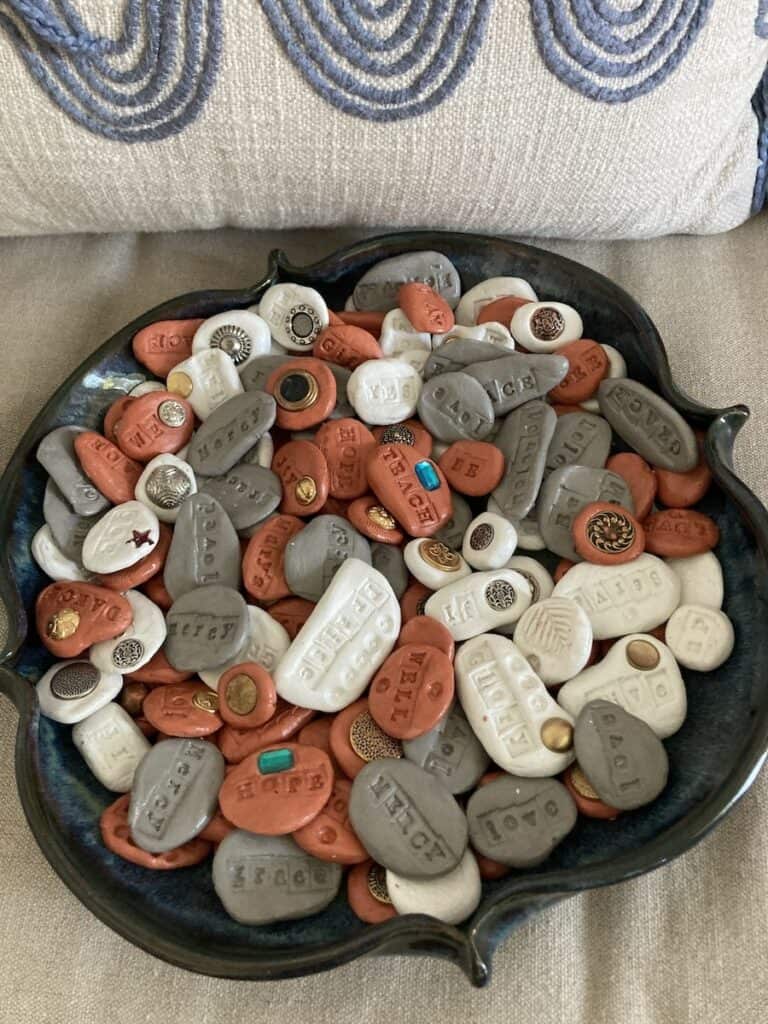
[[413, 357], [450, 898], [701, 579], [295, 315], [112, 746], [122, 537], [620, 599], [238, 333], [72, 690], [545, 326], [207, 380], [145, 388], [489, 542], [433, 563], [489, 290], [347, 637], [480, 602], [138, 644], [52, 560], [538, 577], [641, 675], [491, 332], [555, 636], [266, 644], [384, 391], [399, 335], [167, 480], [700, 638], [507, 705]]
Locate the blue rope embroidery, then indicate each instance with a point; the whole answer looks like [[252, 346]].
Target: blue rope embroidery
[[146, 84], [760, 107], [579, 42]]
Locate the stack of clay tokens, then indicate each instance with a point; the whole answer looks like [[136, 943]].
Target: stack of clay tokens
[[402, 590]]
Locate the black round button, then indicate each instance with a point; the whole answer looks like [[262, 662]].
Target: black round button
[[302, 325], [294, 387]]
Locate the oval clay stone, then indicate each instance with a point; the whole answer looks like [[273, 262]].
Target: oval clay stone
[[565, 493], [255, 374], [313, 555], [175, 793], [450, 751], [379, 286], [260, 879], [453, 356], [247, 493], [388, 559], [580, 438], [452, 532], [56, 454], [524, 439], [205, 548], [68, 528], [518, 377], [519, 822], [230, 432], [406, 819], [649, 424], [621, 756], [454, 407], [206, 627]]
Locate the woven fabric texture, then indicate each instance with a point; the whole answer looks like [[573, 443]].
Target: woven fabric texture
[[684, 945], [539, 117]]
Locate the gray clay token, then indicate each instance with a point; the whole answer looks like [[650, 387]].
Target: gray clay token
[[406, 819], [451, 533], [206, 627], [378, 287], [622, 757], [255, 373], [453, 356], [175, 793], [649, 424], [565, 493], [454, 407], [388, 559], [518, 821], [260, 879], [343, 409], [524, 439], [316, 552], [247, 493], [580, 438], [517, 377], [205, 548], [68, 528], [56, 454], [230, 432], [450, 751]]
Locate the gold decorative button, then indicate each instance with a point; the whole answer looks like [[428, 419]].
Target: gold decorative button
[[557, 735], [642, 654], [242, 694], [63, 624], [206, 701], [581, 784], [379, 515], [369, 741], [306, 490], [179, 384], [439, 555]]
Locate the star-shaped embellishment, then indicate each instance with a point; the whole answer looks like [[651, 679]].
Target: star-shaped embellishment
[[140, 538]]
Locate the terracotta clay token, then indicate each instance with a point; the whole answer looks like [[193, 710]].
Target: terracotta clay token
[[409, 432], [412, 690], [346, 445], [154, 424], [413, 600], [72, 616], [587, 365], [159, 672], [562, 568], [236, 744], [356, 739], [370, 320], [304, 475], [278, 789], [113, 415], [116, 835], [291, 613], [305, 392], [367, 893], [369, 516], [584, 796], [264, 559], [411, 487], [426, 310], [563, 409], [156, 590], [217, 829], [680, 532], [346, 345], [423, 630], [607, 534], [472, 467], [317, 733], [501, 310], [142, 571], [183, 709], [330, 835], [334, 507], [113, 473], [164, 344], [676, 490], [247, 695], [640, 478]]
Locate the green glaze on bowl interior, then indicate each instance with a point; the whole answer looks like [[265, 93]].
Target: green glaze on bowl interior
[[176, 915]]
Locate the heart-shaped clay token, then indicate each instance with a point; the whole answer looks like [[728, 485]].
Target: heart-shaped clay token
[[121, 538], [72, 616]]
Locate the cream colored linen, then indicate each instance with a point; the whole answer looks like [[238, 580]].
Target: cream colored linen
[[686, 945]]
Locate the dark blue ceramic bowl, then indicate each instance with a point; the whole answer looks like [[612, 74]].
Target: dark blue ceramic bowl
[[176, 915]]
